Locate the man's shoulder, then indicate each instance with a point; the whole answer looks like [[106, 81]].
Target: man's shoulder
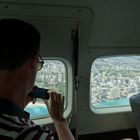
[[20, 128]]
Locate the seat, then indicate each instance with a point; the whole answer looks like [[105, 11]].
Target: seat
[[135, 106]]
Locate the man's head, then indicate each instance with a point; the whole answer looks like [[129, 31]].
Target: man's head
[[19, 54], [18, 42]]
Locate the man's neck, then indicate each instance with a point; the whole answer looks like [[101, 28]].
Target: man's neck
[[12, 89]]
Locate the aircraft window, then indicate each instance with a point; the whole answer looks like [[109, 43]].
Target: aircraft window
[[51, 76], [113, 80]]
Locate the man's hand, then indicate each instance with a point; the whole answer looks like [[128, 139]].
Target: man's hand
[[55, 106], [29, 99]]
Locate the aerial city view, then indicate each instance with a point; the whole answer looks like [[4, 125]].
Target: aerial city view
[[51, 76], [114, 80]]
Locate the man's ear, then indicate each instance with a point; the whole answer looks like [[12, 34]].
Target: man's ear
[[34, 62]]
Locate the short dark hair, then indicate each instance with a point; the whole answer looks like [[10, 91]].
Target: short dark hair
[[19, 41]]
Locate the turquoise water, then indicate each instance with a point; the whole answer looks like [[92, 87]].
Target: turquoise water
[[113, 103], [37, 111]]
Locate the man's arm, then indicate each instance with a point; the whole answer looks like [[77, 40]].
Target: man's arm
[[63, 130], [56, 107]]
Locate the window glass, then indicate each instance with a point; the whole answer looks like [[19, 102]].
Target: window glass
[[113, 80], [51, 76]]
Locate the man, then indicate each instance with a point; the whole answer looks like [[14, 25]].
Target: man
[[19, 63]]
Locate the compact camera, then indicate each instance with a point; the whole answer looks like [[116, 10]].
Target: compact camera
[[38, 92]]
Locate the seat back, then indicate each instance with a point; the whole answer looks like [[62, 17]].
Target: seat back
[[135, 105]]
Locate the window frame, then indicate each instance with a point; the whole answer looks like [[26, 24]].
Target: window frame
[[68, 92], [113, 109]]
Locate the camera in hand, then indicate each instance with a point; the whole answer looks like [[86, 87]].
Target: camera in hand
[[38, 92]]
